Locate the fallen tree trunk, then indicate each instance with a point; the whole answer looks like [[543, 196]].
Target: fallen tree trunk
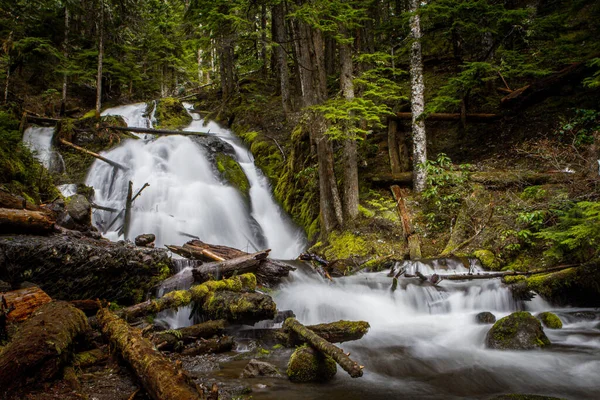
[[174, 339], [507, 273], [42, 346], [25, 221], [240, 308], [351, 367], [227, 268], [42, 120], [8, 200], [197, 293], [24, 302], [198, 250], [91, 153], [162, 379], [157, 131], [209, 346], [334, 332]]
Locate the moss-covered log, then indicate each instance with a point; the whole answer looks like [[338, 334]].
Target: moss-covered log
[[162, 379], [209, 346], [175, 339], [25, 221], [241, 308], [70, 266], [41, 345], [227, 268], [198, 250], [197, 293], [468, 277], [352, 367], [88, 358], [24, 302], [8, 200], [334, 332]]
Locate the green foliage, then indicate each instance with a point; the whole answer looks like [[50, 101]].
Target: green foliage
[[594, 81], [346, 117], [580, 129], [576, 236]]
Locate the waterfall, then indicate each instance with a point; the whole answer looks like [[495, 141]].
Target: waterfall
[[186, 198], [39, 141]]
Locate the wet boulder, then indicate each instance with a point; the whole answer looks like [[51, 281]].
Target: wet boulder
[[550, 320], [485, 317], [145, 240], [308, 365], [79, 209], [260, 368], [518, 331]]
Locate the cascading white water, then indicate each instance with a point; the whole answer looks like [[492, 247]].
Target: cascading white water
[[185, 197], [39, 141], [424, 342]]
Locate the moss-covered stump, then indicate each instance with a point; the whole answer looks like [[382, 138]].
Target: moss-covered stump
[[73, 267], [170, 114], [550, 320], [308, 365], [232, 172], [242, 308], [518, 331], [41, 345], [485, 317]]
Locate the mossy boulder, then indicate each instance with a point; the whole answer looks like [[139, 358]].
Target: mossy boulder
[[232, 172], [485, 317], [170, 114], [518, 331], [550, 320], [487, 258], [308, 365]]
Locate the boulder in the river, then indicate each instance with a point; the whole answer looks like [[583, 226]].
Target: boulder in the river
[[518, 331], [260, 368], [550, 320], [145, 240], [485, 317], [308, 365], [170, 114]]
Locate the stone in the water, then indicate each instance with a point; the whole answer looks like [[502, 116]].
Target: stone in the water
[[485, 317], [309, 365], [145, 240], [518, 331], [260, 368], [79, 208], [585, 315], [550, 320]]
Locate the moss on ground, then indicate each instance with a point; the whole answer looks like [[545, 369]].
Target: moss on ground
[[170, 114], [232, 172], [487, 259]]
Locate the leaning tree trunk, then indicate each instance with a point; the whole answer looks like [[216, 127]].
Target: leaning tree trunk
[[417, 101], [279, 37], [100, 60]]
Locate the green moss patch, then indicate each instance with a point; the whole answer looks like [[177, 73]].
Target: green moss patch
[[232, 172], [518, 331], [550, 320], [170, 114], [309, 365]]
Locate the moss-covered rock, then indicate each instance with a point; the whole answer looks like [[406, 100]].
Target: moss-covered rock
[[550, 320], [518, 331], [309, 365], [170, 114], [574, 286], [487, 258], [232, 172]]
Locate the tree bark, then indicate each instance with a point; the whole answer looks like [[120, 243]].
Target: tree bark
[[169, 340], [279, 37], [24, 302], [162, 379], [63, 102], [198, 250], [25, 221], [227, 268], [322, 345], [100, 60], [393, 148], [417, 101], [42, 346]]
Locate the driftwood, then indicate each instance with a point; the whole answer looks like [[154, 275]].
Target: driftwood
[[162, 379], [157, 131], [227, 268], [24, 302], [449, 117], [197, 293], [42, 346], [173, 339], [206, 346], [351, 367], [91, 153], [25, 221]]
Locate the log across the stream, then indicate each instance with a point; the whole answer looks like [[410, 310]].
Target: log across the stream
[[461, 277], [25, 221]]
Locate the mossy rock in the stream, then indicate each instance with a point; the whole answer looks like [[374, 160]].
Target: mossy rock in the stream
[[308, 365], [485, 317], [170, 114], [550, 320], [518, 331], [232, 172], [487, 258]]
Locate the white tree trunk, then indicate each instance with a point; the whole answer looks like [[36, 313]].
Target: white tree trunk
[[417, 102]]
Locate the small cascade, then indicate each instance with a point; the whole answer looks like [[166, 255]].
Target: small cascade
[[39, 141]]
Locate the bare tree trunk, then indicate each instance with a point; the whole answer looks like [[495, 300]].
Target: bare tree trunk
[[350, 150], [63, 102], [279, 36], [263, 40], [200, 74], [417, 101], [100, 60], [10, 36]]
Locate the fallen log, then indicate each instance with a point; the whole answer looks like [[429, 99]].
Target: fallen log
[[461, 277], [91, 153], [334, 332], [240, 308], [162, 379], [197, 293], [157, 131], [42, 120], [8, 200], [175, 339], [24, 302], [88, 358], [209, 346], [353, 368], [25, 221], [481, 117], [227, 268], [42, 346], [198, 250]]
